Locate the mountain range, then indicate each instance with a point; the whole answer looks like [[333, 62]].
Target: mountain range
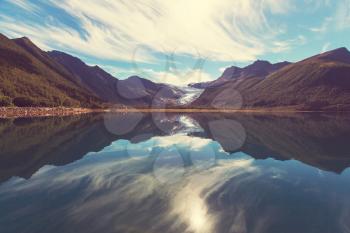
[[30, 76], [321, 82], [259, 68]]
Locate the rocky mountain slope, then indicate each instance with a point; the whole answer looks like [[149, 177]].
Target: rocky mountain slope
[[32, 77], [321, 82], [133, 91], [259, 69], [28, 77]]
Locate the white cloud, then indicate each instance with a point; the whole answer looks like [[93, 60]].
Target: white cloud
[[325, 47], [117, 71], [318, 29], [220, 30], [317, 4], [280, 46], [342, 16], [101, 45], [180, 78], [324, 27], [174, 77], [339, 20], [222, 69], [24, 4], [182, 141]]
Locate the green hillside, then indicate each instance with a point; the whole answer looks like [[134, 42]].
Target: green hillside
[[26, 79]]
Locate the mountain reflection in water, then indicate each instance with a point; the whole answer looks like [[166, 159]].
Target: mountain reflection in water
[[175, 173]]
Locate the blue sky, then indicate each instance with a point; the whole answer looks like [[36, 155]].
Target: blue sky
[[179, 41]]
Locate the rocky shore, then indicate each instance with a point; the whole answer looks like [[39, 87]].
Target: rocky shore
[[15, 112]]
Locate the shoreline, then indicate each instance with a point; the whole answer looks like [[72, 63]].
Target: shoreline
[[18, 112], [190, 110]]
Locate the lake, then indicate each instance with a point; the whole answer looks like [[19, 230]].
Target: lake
[[157, 172]]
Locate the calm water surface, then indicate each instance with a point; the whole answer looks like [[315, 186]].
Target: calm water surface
[[207, 173]]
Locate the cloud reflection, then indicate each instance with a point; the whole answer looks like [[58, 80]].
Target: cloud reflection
[[181, 183], [102, 190]]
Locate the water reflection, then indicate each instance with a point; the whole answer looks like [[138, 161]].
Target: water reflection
[[205, 173]]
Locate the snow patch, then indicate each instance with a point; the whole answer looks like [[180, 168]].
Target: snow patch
[[190, 94]]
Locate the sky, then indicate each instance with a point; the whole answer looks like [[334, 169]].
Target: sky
[[179, 41]]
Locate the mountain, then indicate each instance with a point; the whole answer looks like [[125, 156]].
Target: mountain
[[157, 94], [42, 56], [93, 78], [133, 91], [259, 69], [28, 77], [321, 82]]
